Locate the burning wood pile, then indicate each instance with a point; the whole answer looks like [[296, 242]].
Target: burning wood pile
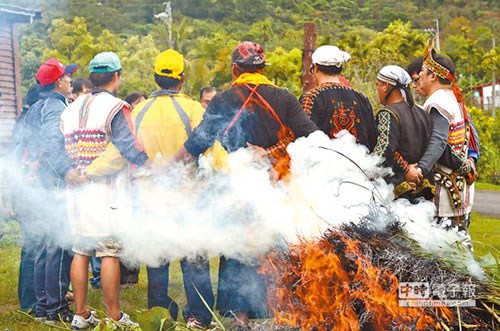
[[358, 278]]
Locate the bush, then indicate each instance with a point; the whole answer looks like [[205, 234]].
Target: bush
[[489, 141]]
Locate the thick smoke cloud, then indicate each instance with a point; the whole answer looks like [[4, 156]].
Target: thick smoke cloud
[[241, 212]]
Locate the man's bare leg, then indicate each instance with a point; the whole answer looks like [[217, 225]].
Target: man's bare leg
[[110, 282], [79, 279]]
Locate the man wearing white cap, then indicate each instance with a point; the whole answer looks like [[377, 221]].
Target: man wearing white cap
[[403, 131], [333, 105]]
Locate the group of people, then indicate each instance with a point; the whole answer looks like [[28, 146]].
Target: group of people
[[85, 151]]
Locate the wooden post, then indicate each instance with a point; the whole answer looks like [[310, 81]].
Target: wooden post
[[308, 81]]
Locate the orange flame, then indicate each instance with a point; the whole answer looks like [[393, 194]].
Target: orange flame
[[317, 288], [278, 153]]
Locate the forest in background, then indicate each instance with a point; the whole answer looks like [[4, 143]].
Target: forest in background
[[374, 32]]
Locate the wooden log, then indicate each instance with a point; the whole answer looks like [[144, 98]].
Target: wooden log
[[308, 81]]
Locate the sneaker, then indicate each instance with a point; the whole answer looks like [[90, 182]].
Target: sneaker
[[64, 315], [70, 296], [40, 317], [193, 323], [124, 323], [81, 323]]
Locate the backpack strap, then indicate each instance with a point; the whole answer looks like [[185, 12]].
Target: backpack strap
[[269, 107], [141, 114], [238, 114], [182, 115]]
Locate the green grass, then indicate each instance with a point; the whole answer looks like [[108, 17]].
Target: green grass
[[133, 300], [485, 232], [487, 187]]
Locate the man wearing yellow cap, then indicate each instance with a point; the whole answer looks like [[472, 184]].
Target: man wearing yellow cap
[[162, 124]]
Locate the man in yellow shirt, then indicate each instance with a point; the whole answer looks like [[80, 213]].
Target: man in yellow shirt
[[162, 124]]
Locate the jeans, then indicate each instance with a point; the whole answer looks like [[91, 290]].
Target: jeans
[[52, 266], [241, 290], [22, 202], [95, 263], [196, 278], [26, 281], [158, 290]]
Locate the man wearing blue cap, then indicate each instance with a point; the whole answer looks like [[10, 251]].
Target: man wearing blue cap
[[48, 167], [96, 131]]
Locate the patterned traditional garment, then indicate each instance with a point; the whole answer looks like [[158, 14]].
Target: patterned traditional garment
[[403, 136], [86, 124], [453, 195], [86, 138], [335, 107]]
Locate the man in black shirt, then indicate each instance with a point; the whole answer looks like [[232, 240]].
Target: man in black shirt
[[253, 111]]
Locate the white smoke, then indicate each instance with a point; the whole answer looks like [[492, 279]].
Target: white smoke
[[242, 212]]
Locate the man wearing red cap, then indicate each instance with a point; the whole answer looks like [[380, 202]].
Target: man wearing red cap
[[51, 168], [253, 111]]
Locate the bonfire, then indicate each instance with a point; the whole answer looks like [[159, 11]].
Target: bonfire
[[382, 271], [357, 277]]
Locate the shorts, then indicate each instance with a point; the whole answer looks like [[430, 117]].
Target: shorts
[[100, 247]]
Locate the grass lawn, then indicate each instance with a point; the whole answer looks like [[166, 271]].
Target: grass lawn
[[487, 187], [485, 233]]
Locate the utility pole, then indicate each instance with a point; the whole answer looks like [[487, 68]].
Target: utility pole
[[167, 16], [438, 46], [309, 47], [168, 11], [435, 34]]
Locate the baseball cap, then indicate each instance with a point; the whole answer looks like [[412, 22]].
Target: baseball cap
[[169, 63], [105, 62], [328, 55], [248, 53], [52, 70]]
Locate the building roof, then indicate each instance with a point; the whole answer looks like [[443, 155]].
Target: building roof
[[18, 14]]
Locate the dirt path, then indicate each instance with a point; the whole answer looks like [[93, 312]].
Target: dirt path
[[487, 203]]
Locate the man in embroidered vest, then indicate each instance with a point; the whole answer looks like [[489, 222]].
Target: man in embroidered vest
[[450, 139], [95, 126], [403, 131], [335, 106], [50, 170], [162, 123], [253, 111]]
